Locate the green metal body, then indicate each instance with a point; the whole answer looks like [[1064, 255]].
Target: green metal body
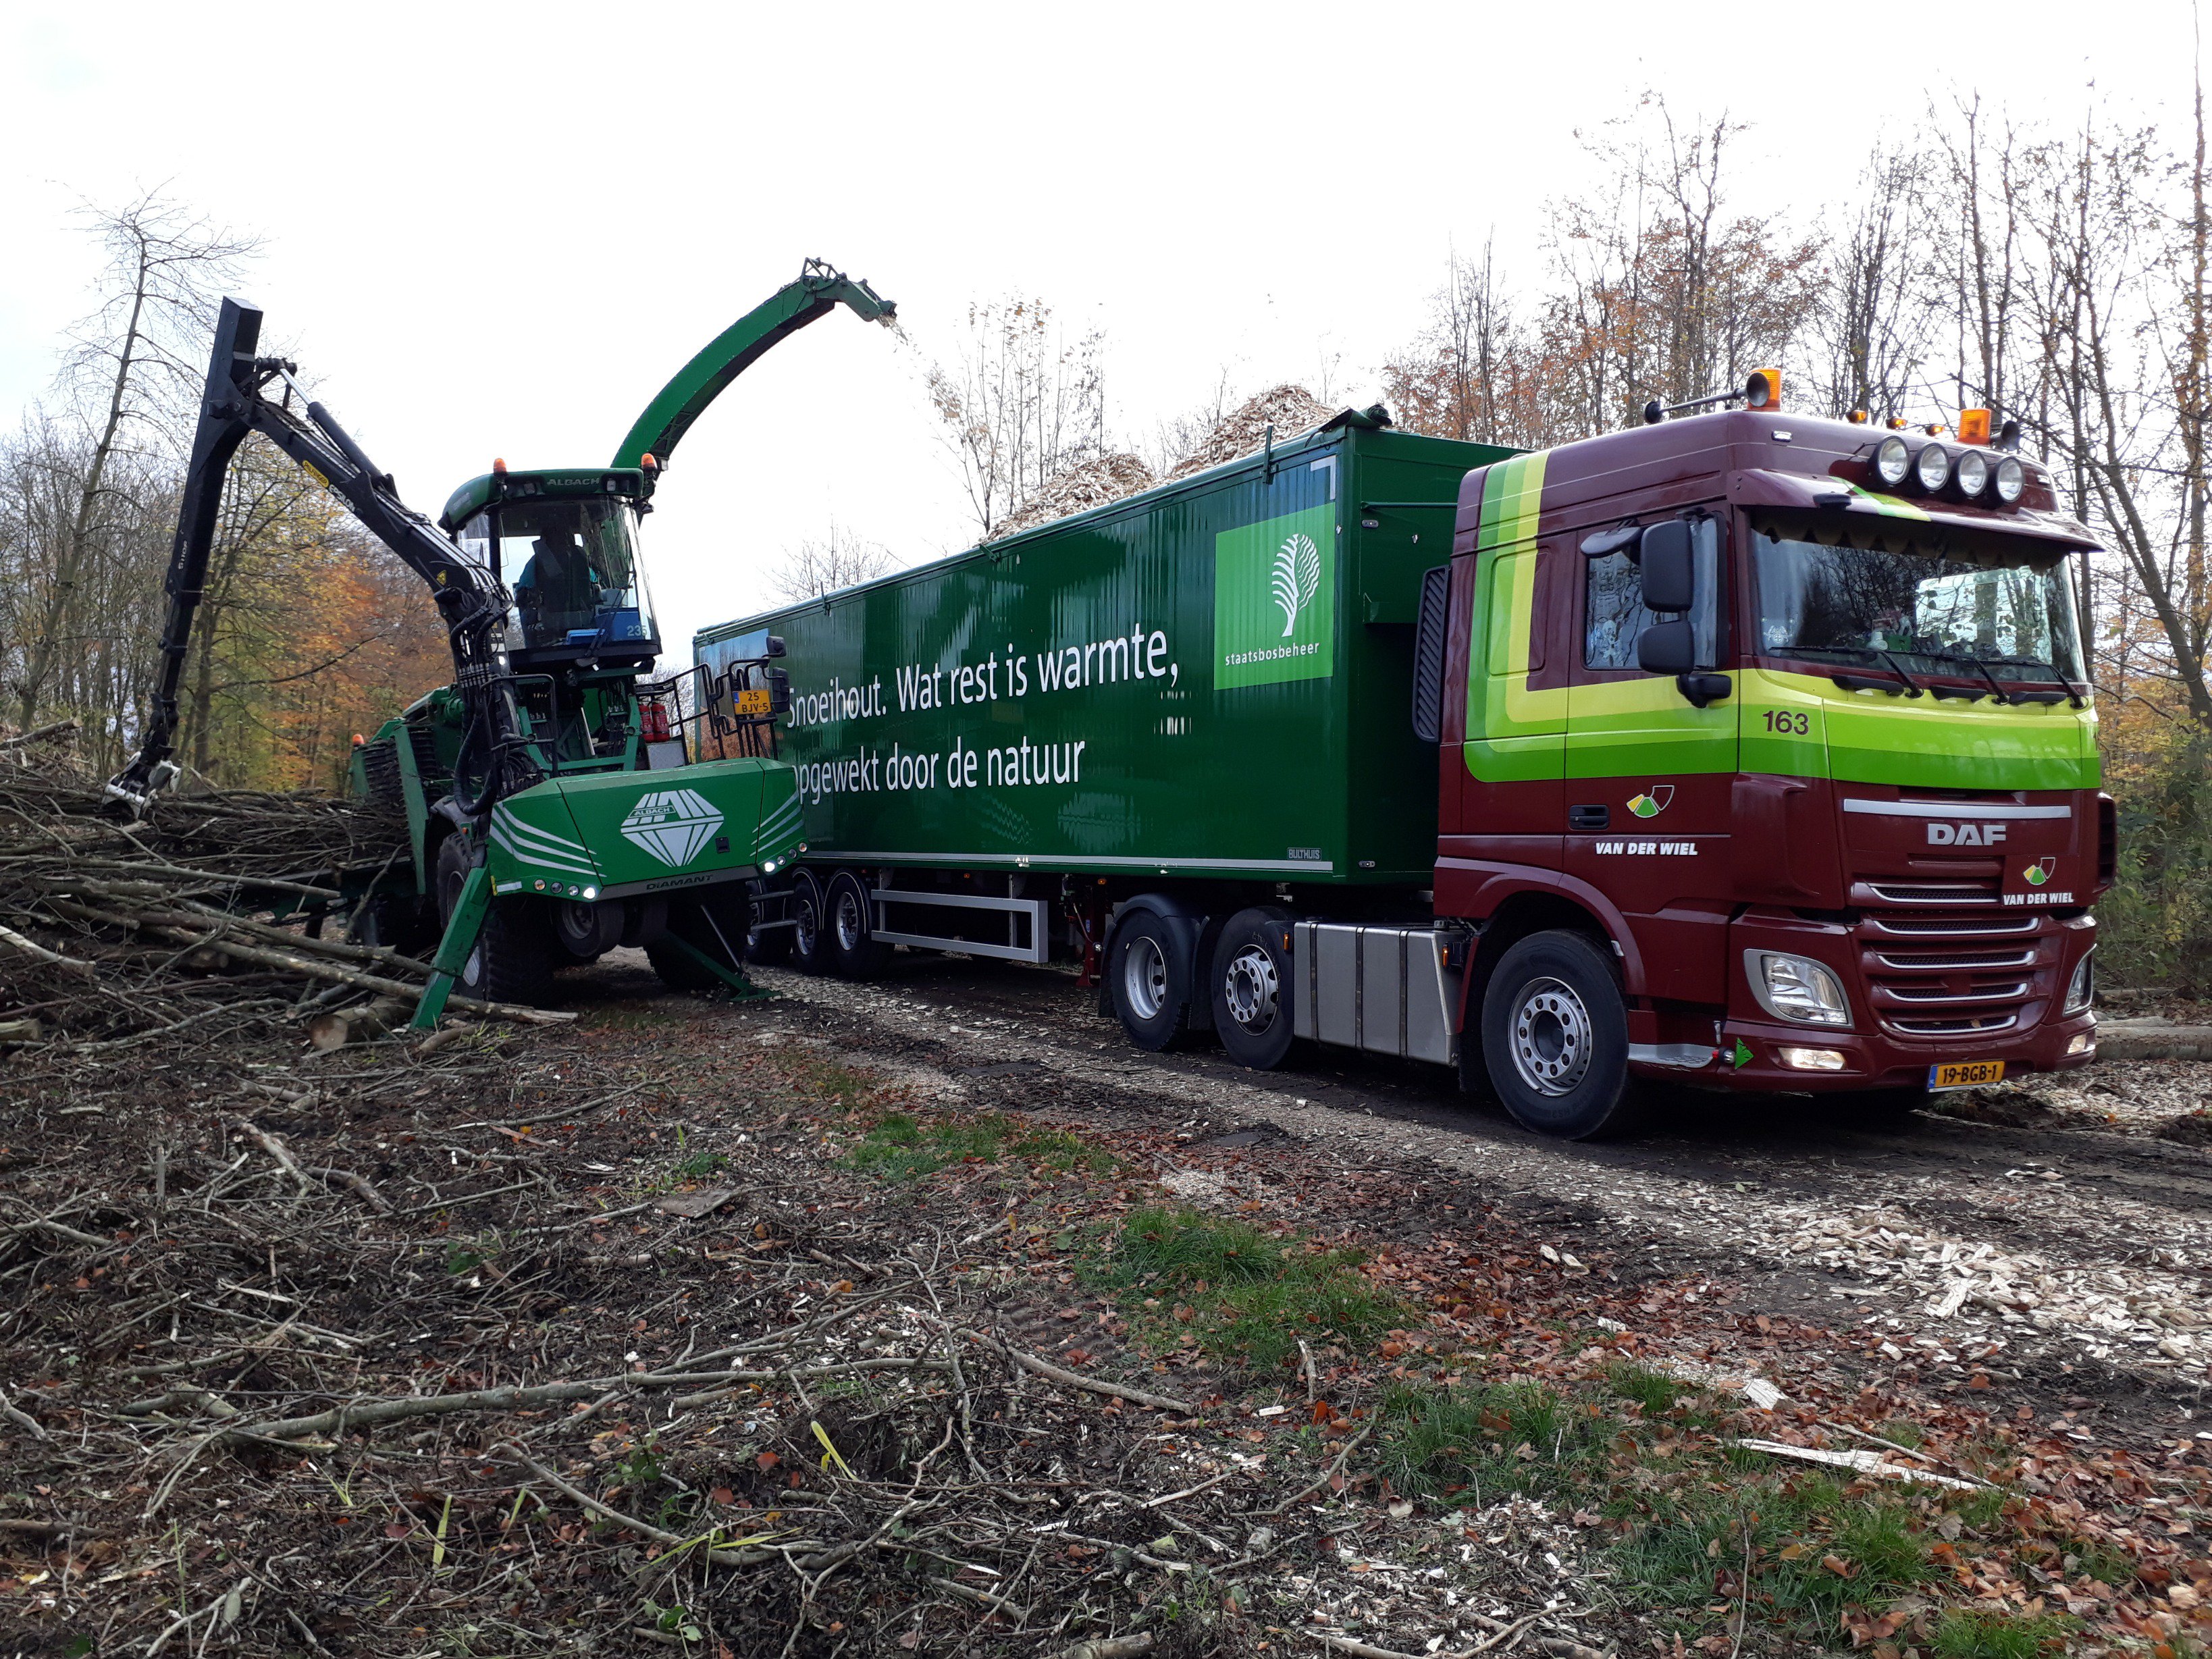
[[1211, 679], [605, 824], [818, 291]]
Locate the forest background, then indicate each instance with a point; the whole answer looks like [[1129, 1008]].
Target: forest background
[[2060, 275]]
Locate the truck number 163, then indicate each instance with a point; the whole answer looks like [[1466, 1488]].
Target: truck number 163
[[1788, 720]]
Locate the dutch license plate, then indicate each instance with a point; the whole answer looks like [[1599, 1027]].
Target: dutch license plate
[[754, 702], [1966, 1073]]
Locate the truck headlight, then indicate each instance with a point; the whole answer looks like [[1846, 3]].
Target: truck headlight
[[1796, 988], [2011, 479], [1892, 461], [2082, 989]]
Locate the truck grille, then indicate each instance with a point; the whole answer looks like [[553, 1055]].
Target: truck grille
[[1953, 976], [1931, 892]]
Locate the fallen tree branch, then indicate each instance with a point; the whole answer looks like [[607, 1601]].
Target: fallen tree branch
[[720, 1558], [1046, 1369]]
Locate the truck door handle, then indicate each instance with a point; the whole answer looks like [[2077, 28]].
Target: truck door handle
[[1589, 818]]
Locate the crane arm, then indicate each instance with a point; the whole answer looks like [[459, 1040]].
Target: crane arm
[[818, 292], [469, 597]]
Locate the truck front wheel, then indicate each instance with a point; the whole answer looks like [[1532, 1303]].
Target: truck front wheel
[[1148, 973], [1555, 1038], [1252, 989]]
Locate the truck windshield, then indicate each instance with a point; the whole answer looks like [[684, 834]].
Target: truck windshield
[[1902, 594], [571, 567]]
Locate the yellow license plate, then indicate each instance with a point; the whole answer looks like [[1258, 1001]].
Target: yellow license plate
[[754, 702], [1965, 1074]]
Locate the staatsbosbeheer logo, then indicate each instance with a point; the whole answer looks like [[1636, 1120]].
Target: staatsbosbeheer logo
[[671, 824], [1274, 600]]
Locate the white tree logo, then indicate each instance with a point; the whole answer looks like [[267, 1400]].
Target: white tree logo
[[1297, 578]]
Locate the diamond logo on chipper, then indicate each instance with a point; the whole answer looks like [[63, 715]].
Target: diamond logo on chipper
[[671, 824]]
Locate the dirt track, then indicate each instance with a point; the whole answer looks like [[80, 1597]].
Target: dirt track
[[2056, 1245]]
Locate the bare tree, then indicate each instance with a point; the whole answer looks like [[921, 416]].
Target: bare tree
[[1174, 438], [1021, 404], [1871, 339], [130, 378], [826, 563]]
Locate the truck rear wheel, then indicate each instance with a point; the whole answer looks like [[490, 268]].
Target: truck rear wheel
[[715, 924], [1148, 974], [810, 940], [851, 918], [1252, 989], [1555, 1038], [512, 958]]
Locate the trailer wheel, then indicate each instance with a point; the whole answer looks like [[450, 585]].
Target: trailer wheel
[[513, 960], [716, 925], [1252, 987], [1555, 1038], [809, 939], [1148, 974], [851, 918]]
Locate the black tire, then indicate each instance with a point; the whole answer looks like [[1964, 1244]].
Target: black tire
[[513, 961], [851, 918], [715, 924], [1148, 974], [585, 933], [810, 935], [1252, 989], [399, 921], [1555, 1038]]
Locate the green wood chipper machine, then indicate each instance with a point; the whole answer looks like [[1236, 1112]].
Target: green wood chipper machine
[[558, 798]]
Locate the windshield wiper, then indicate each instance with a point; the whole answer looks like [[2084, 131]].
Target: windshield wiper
[[1909, 688], [2050, 668], [1997, 691]]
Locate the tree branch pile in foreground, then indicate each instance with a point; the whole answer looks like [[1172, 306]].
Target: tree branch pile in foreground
[[172, 928], [371, 1353]]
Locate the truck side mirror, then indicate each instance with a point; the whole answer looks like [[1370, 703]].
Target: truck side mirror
[[778, 691], [775, 646], [1667, 647], [1669, 575]]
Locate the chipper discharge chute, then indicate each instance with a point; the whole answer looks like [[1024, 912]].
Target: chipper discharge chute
[[555, 800]]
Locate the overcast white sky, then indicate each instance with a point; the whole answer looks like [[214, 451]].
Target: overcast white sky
[[499, 229]]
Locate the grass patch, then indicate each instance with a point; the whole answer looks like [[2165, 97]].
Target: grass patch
[[1235, 1292], [1964, 1635], [1690, 1514], [900, 1148], [699, 1165]]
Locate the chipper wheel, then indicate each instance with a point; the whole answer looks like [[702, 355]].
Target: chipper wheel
[[715, 924], [513, 961]]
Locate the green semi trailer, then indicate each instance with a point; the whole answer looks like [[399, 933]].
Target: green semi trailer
[[1742, 750]]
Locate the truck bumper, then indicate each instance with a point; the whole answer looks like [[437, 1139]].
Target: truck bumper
[[2002, 992]]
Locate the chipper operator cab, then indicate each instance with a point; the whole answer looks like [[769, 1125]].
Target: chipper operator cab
[[555, 801]]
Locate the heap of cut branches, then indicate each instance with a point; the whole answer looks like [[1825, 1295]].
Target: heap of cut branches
[[212, 916]]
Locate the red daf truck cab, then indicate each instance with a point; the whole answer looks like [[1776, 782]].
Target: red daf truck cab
[[1788, 717]]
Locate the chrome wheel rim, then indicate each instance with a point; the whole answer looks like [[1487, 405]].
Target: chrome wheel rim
[[1252, 991], [1552, 1038], [806, 925], [1145, 978], [851, 926]]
